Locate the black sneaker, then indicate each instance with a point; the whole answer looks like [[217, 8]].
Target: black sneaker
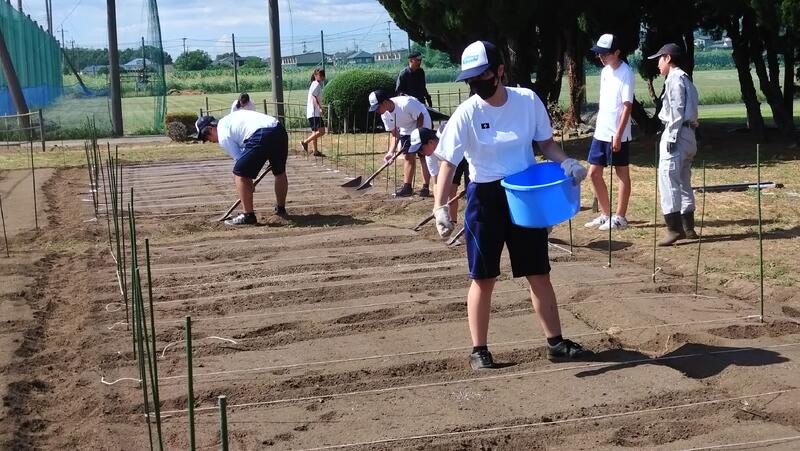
[[317, 153], [568, 350], [243, 219], [481, 360], [424, 192], [405, 191], [280, 211], [305, 146]]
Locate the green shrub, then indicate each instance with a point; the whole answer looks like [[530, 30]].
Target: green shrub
[[186, 119], [348, 95]]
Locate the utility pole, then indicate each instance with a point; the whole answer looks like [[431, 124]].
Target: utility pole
[[13, 84], [275, 54], [62, 37], [184, 45], [235, 64], [389, 29], [113, 68], [19, 5], [322, 46], [49, 10]]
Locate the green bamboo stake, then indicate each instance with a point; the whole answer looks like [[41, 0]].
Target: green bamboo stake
[[760, 236], [655, 211], [33, 178], [5, 236], [570, 219], [105, 200], [610, 200], [120, 199], [154, 366], [223, 422], [700, 235], [137, 309], [190, 382]]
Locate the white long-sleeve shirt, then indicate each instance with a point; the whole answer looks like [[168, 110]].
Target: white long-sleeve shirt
[[679, 105]]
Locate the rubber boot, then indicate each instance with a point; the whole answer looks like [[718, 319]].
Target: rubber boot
[[688, 225], [674, 229]]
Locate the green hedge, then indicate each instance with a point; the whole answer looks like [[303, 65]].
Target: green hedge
[[348, 94]]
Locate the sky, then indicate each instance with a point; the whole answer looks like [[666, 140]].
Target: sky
[[208, 25]]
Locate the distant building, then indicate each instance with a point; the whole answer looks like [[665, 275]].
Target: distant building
[[306, 59], [228, 61], [137, 64], [391, 56], [360, 57], [93, 70]]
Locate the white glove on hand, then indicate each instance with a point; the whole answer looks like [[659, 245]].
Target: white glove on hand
[[443, 224], [574, 169], [388, 157]]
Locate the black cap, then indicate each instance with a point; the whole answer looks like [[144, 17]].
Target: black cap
[[419, 137], [667, 49], [414, 55], [202, 125]]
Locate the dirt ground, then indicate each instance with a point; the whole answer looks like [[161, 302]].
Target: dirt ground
[[341, 327]]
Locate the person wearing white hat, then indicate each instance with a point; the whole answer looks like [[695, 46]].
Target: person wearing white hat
[[401, 115], [677, 147], [612, 133], [494, 130], [425, 141]]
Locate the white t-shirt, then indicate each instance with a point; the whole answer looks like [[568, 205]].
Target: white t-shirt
[[249, 106], [406, 111], [234, 129], [433, 163], [313, 91], [616, 88], [496, 141]]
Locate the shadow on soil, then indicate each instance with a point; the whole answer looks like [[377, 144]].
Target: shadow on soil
[[322, 220], [694, 360], [602, 245], [777, 234]]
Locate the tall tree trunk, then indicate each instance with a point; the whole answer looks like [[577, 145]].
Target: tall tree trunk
[[648, 124], [769, 79], [576, 76], [688, 43], [518, 66], [741, 59], [547, 67], [789, 56]]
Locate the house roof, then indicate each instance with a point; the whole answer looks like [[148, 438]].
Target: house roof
[[360, 54]]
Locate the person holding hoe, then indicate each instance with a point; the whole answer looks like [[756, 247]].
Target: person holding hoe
[[494, 130], [401, 115], [251, 139], [677, 147]]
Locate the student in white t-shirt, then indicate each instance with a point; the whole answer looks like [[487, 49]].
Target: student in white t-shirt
[[401, 115], [494, 130], [251, 139], [425, 141], [612, 134], [314, 112], [243, 103]]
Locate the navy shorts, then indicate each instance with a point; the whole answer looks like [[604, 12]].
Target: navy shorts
[[316, 123], [265, 144], [488, 226], [599, 153], [462, 170]]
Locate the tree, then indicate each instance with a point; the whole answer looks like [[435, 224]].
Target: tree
[[253, 62], [432, 57], [193, 60]]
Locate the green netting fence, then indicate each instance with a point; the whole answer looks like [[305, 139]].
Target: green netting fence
[[36, 57]]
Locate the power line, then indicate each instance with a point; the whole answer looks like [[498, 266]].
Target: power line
[[70, 12]]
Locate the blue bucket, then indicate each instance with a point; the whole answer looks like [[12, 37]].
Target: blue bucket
[[541, 196]]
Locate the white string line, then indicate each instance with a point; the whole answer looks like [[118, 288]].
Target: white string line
[[757, 442], [513, 375], [436, 351], [421, 302], [550, 423], [104, 381], [222, 204], [213, 337]]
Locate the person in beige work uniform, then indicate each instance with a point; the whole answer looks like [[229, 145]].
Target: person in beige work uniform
[[678, 146]]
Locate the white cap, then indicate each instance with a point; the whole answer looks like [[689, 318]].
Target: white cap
[[605, 44], [476, 58]]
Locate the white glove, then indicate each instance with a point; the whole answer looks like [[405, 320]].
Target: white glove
[[574, 169], [443, 223], [388, 157]]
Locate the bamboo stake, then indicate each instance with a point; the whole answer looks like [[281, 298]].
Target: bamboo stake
[[223, 422], [655, 211], [700, 235], [33, 178], [610, 200], [190, 382], [5, 236], [154, 359], [760, 238]]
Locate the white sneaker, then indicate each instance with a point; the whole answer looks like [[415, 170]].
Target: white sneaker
[[617, 222], [597, 222]]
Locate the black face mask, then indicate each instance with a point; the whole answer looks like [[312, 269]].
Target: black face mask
[[484, 88]]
